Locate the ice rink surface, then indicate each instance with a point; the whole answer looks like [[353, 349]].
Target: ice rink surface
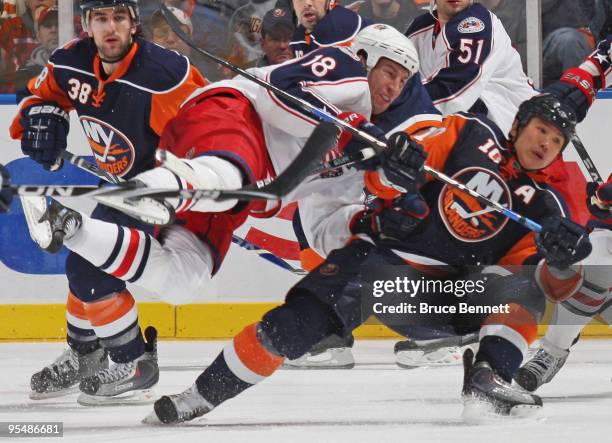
[[375, 402]]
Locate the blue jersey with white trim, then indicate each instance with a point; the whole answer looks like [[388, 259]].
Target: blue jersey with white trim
[[122, 115], [469, 64]]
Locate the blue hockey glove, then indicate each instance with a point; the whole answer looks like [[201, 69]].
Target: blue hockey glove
[[45, 131], [402, 162]]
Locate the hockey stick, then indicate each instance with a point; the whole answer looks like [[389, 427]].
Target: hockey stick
[[373, 142], [266, 255], [319, 113], [86, 165], [586, 159], [322, 139]]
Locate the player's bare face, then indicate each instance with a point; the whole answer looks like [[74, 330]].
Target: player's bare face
[[112, 30], [447, 9], [310, 12], [538, 144], [386, 81]]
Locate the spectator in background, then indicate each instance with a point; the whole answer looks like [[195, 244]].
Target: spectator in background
[[47, 30], [396, 13], [276, 30], [566, 37], [244, 39], [18, 38], [163, 35], [209, 24]]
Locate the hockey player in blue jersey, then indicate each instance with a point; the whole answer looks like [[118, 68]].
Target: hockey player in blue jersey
[[106, 78]]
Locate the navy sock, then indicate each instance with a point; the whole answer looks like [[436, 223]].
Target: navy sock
[[504, 357]]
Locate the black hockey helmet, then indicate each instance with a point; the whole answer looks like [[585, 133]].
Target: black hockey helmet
[[549, 108], [88, 5]]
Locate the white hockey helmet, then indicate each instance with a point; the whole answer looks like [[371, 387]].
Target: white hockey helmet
[[381, 40]]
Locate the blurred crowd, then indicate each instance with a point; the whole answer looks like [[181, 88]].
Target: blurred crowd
[[257, 32]]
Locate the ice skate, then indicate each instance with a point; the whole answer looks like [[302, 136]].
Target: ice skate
[[63, 376], [333, 352], [178, 408], [487, 397], [541, 368], [50, 224], [124, 383], [445, 351]]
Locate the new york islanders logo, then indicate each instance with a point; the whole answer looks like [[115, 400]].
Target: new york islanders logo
[[465, 217], [112, 150]]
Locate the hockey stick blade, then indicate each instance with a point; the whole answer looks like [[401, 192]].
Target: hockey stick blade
[[323, 139]]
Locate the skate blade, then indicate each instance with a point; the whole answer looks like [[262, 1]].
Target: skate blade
[[33, 209], [325, 360], [139, 397], [53, 394], [481, 412], [418, 359], [152, 419]]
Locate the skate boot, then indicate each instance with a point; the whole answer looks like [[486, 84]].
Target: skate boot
[[333, 352], [178, 408], [487, 397], [50, 224], [444, 351], [124, 383], [63, 376], [541, 368]]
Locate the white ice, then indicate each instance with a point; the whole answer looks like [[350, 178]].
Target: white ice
[[376, 401]]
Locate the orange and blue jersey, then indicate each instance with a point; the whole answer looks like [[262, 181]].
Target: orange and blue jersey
[[124, 114]]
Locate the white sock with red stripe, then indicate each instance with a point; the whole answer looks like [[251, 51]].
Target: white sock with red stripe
[[119, 251], [564, 327]]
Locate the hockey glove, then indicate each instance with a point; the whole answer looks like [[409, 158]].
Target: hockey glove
[[6, 195], [394, 220], [45, 130], [402, 163], [562, 242], [599, 199], [351, 145], [578, 86]]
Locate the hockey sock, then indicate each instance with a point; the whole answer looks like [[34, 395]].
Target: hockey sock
[[80, 334], [505, 338], [503, 356], [243, 363], [115, 320], [119, 251], [564, 327]]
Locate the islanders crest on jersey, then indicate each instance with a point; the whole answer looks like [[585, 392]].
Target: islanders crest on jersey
[[112, 149], [465, 217]]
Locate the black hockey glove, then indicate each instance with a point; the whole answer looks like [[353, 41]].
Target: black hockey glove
[[45, 130], [563, 242], [402, 162], [394, 220], [6, 195], [351, 145]]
